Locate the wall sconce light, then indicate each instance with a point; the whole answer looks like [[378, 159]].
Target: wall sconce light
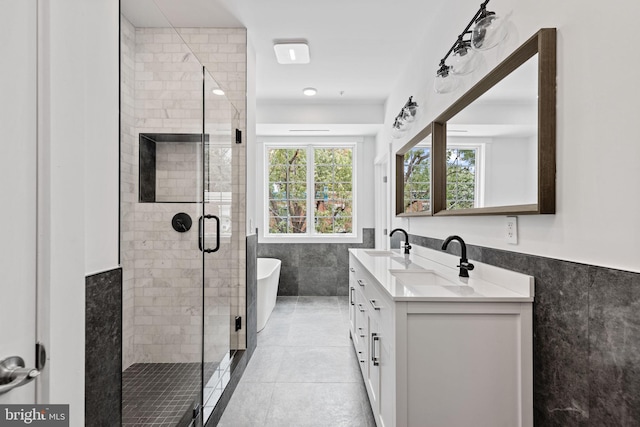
[[405, 118], [488, 31]]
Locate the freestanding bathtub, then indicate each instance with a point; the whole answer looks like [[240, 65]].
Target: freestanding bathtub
[[268, 278]]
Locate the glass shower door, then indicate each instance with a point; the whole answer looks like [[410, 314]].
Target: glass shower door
[[221, 268], [161, 203]]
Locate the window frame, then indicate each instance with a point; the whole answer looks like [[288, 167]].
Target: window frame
[[310, 233]]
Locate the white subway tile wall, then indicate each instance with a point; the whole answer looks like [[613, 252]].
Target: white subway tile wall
[[163, 322]]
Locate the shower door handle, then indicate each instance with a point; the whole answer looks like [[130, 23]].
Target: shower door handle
[[201, 233]]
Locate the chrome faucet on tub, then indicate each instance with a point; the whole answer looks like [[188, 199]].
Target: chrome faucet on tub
[[406, 245], [465, 265]]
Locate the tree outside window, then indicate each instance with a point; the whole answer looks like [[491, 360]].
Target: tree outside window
[[328, 172], [461, 178]]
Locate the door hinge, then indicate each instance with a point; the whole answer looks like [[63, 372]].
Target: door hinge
[[384, 179], [238, 136], [41, 356], [196, 411], [384, 232], [238, 323]]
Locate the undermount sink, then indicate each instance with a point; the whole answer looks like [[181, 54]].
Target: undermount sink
[[417, 282], [379, 253], [420, 278]]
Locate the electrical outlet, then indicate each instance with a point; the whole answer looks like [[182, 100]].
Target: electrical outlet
[[512, 230]]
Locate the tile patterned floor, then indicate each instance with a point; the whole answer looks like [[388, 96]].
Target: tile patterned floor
[[304, 372], [161, 394]]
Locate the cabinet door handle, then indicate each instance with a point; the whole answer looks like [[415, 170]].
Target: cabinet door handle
[[373, 303], [351, 269], [374, 358], [351, 296], [361, 282], [361, 308]]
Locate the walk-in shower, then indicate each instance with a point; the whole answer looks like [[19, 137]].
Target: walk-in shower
[[182, 220]]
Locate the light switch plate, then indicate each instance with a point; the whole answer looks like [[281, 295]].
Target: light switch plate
[[512, 230]]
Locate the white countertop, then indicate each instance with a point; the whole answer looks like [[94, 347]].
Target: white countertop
[[428, 275]]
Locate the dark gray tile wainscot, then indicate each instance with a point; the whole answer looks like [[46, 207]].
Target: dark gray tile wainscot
[[586, 338], [314, 269], [103, 348]]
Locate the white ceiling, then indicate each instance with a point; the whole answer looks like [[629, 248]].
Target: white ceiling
[[358, 47]]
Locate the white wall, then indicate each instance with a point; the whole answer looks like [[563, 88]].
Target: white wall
[[78, 107], [510, 171], [597, 204], [318, 113], [101, 132]]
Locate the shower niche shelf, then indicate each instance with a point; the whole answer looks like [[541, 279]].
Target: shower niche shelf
[[170, 167]]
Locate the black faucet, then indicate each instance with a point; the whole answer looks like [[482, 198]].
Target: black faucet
[[406, 246], [465, 265]]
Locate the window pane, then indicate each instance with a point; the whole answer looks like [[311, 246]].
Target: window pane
[[286, 208], [287, 190], [461, 178], [417, 180], [297, 224], [342, 225], [333, 190], [343, 156], [323, 156], [334, 225], [324, 225]]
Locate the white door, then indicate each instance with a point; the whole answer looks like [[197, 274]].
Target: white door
[[18, 124]]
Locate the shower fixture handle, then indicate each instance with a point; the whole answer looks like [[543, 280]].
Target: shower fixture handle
[[201, 233]]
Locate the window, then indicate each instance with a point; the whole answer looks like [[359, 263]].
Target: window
[[310, 190], [463, 187]]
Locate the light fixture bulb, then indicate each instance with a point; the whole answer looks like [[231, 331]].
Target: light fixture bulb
[[408, 114], [445, 82], [488, 31], [397, 130], [218, 91], [464, 60], [309, 91]]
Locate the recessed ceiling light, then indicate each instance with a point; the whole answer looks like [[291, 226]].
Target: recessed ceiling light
[[218, 92], [309, 91], [292, 53]]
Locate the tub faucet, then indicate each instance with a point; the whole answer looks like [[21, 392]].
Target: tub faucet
[[406, 245], [465, 265]]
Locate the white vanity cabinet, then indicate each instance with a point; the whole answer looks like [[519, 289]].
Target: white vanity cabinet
[[430, 360], [366, 331]]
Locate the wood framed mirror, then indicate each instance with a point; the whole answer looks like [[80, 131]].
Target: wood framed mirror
[[418, 165], [499, 138]]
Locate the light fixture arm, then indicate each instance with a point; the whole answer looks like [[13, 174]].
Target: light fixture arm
[[481, 13]]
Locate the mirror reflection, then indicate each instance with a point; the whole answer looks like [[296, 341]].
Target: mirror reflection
[[417, 179], [492, 145], [414, 175]]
